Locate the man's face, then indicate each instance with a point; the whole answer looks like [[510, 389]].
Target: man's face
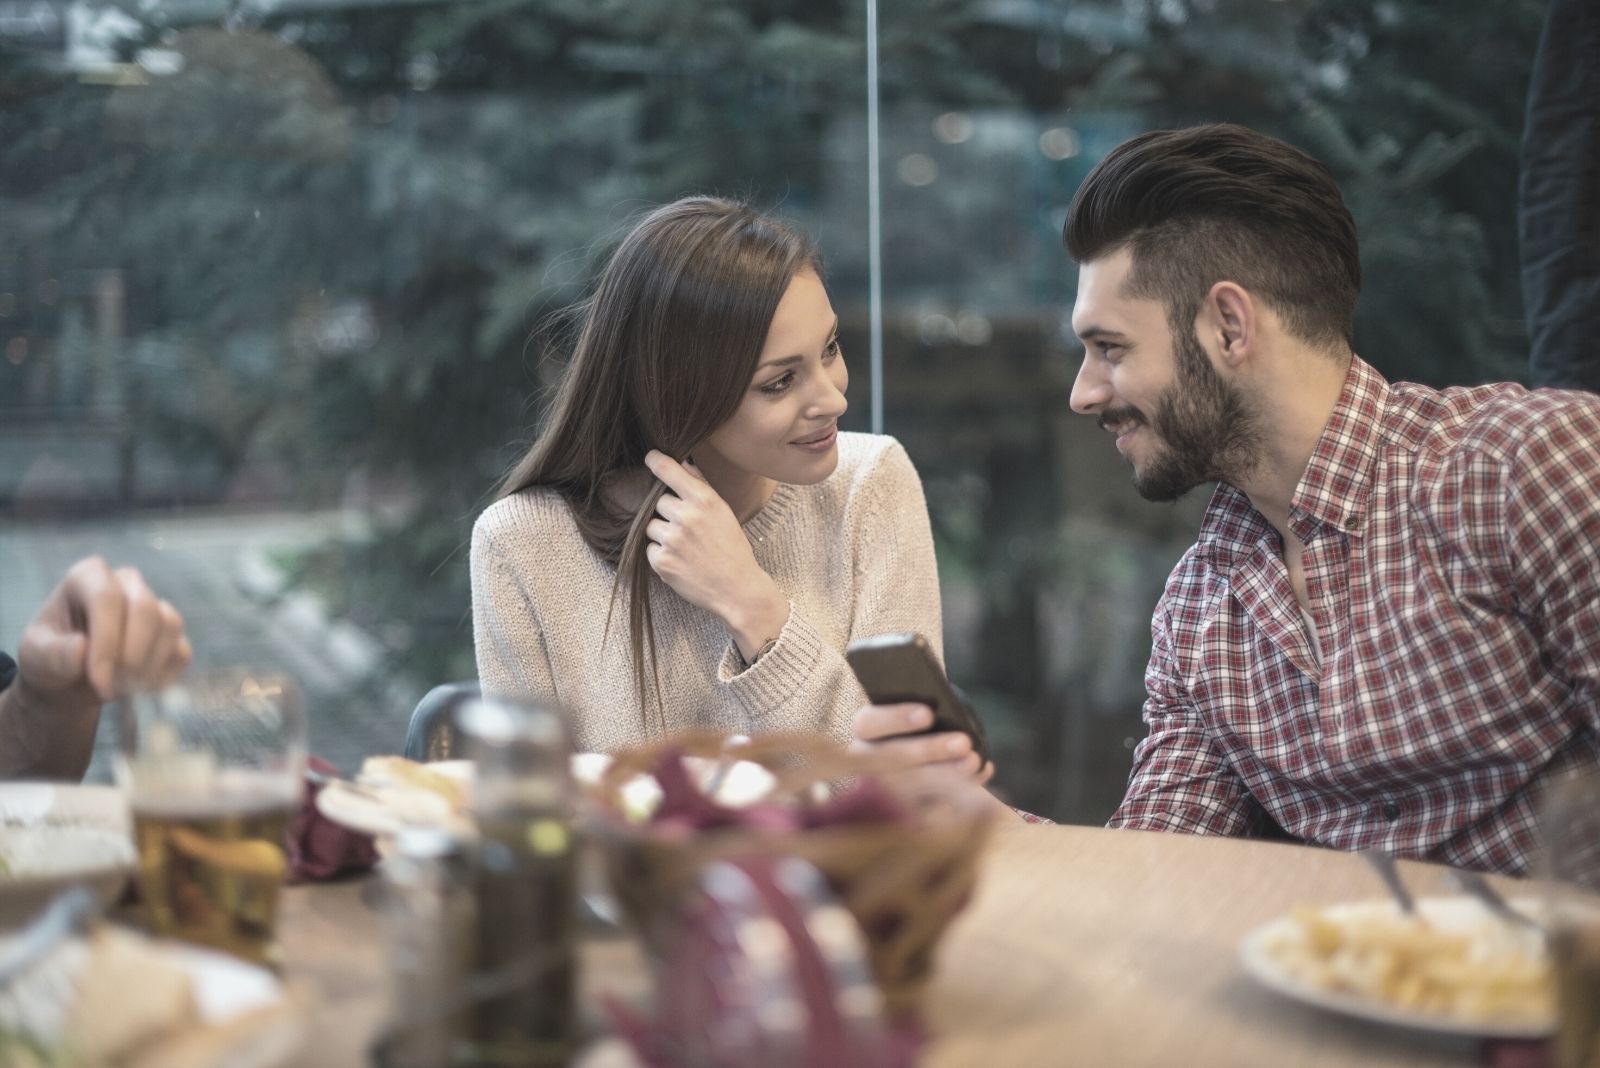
[[1176, 419]]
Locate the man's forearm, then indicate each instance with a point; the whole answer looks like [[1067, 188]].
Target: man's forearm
[[40, 739]]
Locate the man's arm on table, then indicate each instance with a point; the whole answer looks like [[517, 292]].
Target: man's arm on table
[[100, 634], [1179, 781]]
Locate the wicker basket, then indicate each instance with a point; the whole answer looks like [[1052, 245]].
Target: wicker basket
[[902, 883]]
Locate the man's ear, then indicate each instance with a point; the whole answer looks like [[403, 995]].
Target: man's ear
[[1229, 318]]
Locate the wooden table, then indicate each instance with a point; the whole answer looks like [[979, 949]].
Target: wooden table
[[1082, 945]]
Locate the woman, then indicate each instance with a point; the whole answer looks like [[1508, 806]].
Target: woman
[[691, 543]]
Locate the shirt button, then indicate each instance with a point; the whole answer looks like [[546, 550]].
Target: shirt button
[[1391, 811]]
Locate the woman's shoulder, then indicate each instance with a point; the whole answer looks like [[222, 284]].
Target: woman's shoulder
[[529, 516], [871, 458]]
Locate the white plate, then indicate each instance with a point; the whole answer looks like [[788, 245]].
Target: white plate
[[382, 810], [243, 1019], [1448, 913], [224, 987], [53, 836]]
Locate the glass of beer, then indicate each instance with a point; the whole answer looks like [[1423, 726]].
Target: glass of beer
[[1572, 824], [213, 769]]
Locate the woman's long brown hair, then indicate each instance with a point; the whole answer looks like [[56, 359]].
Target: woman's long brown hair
[[666, 347]]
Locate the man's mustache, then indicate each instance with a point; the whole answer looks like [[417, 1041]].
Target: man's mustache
[[1110, 418]]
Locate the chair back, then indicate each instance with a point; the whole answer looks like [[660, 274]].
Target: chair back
[[432, 734]]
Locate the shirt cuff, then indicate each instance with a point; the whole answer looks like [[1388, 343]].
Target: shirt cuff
[[779, 674]]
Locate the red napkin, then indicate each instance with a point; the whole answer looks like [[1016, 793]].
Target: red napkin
[[1517, 1053], [319, 848]]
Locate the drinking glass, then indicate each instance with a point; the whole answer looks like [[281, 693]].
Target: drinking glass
[[213, 769], [1572, 833]]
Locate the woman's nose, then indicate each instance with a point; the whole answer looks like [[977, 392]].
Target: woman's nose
[[828, 401]]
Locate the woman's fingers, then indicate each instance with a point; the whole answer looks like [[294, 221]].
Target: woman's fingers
[[873, 722], [918, 749], [670, 506], [672, 473]]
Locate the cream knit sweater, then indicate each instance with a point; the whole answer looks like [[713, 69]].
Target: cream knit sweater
[[853, 553]]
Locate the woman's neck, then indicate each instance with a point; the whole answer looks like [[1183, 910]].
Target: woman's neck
[[745, 492]]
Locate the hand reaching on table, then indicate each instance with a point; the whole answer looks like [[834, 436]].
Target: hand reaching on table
[[699, 549], [101, 634]]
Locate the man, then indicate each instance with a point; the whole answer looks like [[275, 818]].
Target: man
[[1388, 631], [1558, 199], [99, 635]]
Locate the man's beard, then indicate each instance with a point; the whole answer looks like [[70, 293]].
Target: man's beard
[[1206, 430]]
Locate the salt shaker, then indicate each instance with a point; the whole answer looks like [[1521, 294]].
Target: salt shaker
[[524, 1011], [428, 912]]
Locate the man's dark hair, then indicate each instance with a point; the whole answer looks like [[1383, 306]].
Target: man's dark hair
[[1223, 203]]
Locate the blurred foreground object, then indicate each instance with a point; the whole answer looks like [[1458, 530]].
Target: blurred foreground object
[[900, 863]]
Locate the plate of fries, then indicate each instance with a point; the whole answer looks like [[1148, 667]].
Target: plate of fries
[[1451, 968]]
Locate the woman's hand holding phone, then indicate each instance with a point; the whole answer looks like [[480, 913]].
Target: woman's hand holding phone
[[889, 733], [698, 549]]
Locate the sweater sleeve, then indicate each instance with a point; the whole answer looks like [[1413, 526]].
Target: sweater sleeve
[[507, 634], [803, 683]]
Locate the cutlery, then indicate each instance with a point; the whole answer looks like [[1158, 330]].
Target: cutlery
[[67, 914], [1383, 863], [1479, 887]]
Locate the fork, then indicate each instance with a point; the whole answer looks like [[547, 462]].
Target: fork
[[68, 913], [1383, 864], [1479, 887]]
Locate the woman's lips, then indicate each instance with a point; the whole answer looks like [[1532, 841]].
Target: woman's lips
[[820, 442]]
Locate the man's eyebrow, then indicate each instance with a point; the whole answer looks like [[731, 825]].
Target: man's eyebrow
[[785, 361], [1096, 333]]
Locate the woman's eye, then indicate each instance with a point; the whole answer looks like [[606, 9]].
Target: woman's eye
[[833, 351], [779, 384]]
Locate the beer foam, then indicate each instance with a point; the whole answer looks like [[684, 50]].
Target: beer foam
[[225, 792]]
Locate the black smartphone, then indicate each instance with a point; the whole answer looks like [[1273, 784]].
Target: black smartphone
[[901, 667]]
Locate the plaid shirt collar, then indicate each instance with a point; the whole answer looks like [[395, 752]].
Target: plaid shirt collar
[[1336, 485]]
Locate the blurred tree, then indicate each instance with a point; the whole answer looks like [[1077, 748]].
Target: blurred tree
[[337, 226]]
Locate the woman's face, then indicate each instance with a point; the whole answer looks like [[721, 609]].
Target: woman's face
[[786, 427]]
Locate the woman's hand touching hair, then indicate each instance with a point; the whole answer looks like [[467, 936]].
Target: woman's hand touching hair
[[699, 549]]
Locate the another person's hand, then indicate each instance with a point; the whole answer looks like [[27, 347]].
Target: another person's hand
[[99, 635], [885, 732], [699, 549]]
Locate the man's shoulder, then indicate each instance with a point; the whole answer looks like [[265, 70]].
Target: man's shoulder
[[1495, 422], [1201, 573]]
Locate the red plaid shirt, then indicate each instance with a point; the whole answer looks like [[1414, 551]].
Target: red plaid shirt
[[1452, 554]]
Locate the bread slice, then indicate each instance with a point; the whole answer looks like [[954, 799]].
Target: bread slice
[[401, 771], [129, 996]]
